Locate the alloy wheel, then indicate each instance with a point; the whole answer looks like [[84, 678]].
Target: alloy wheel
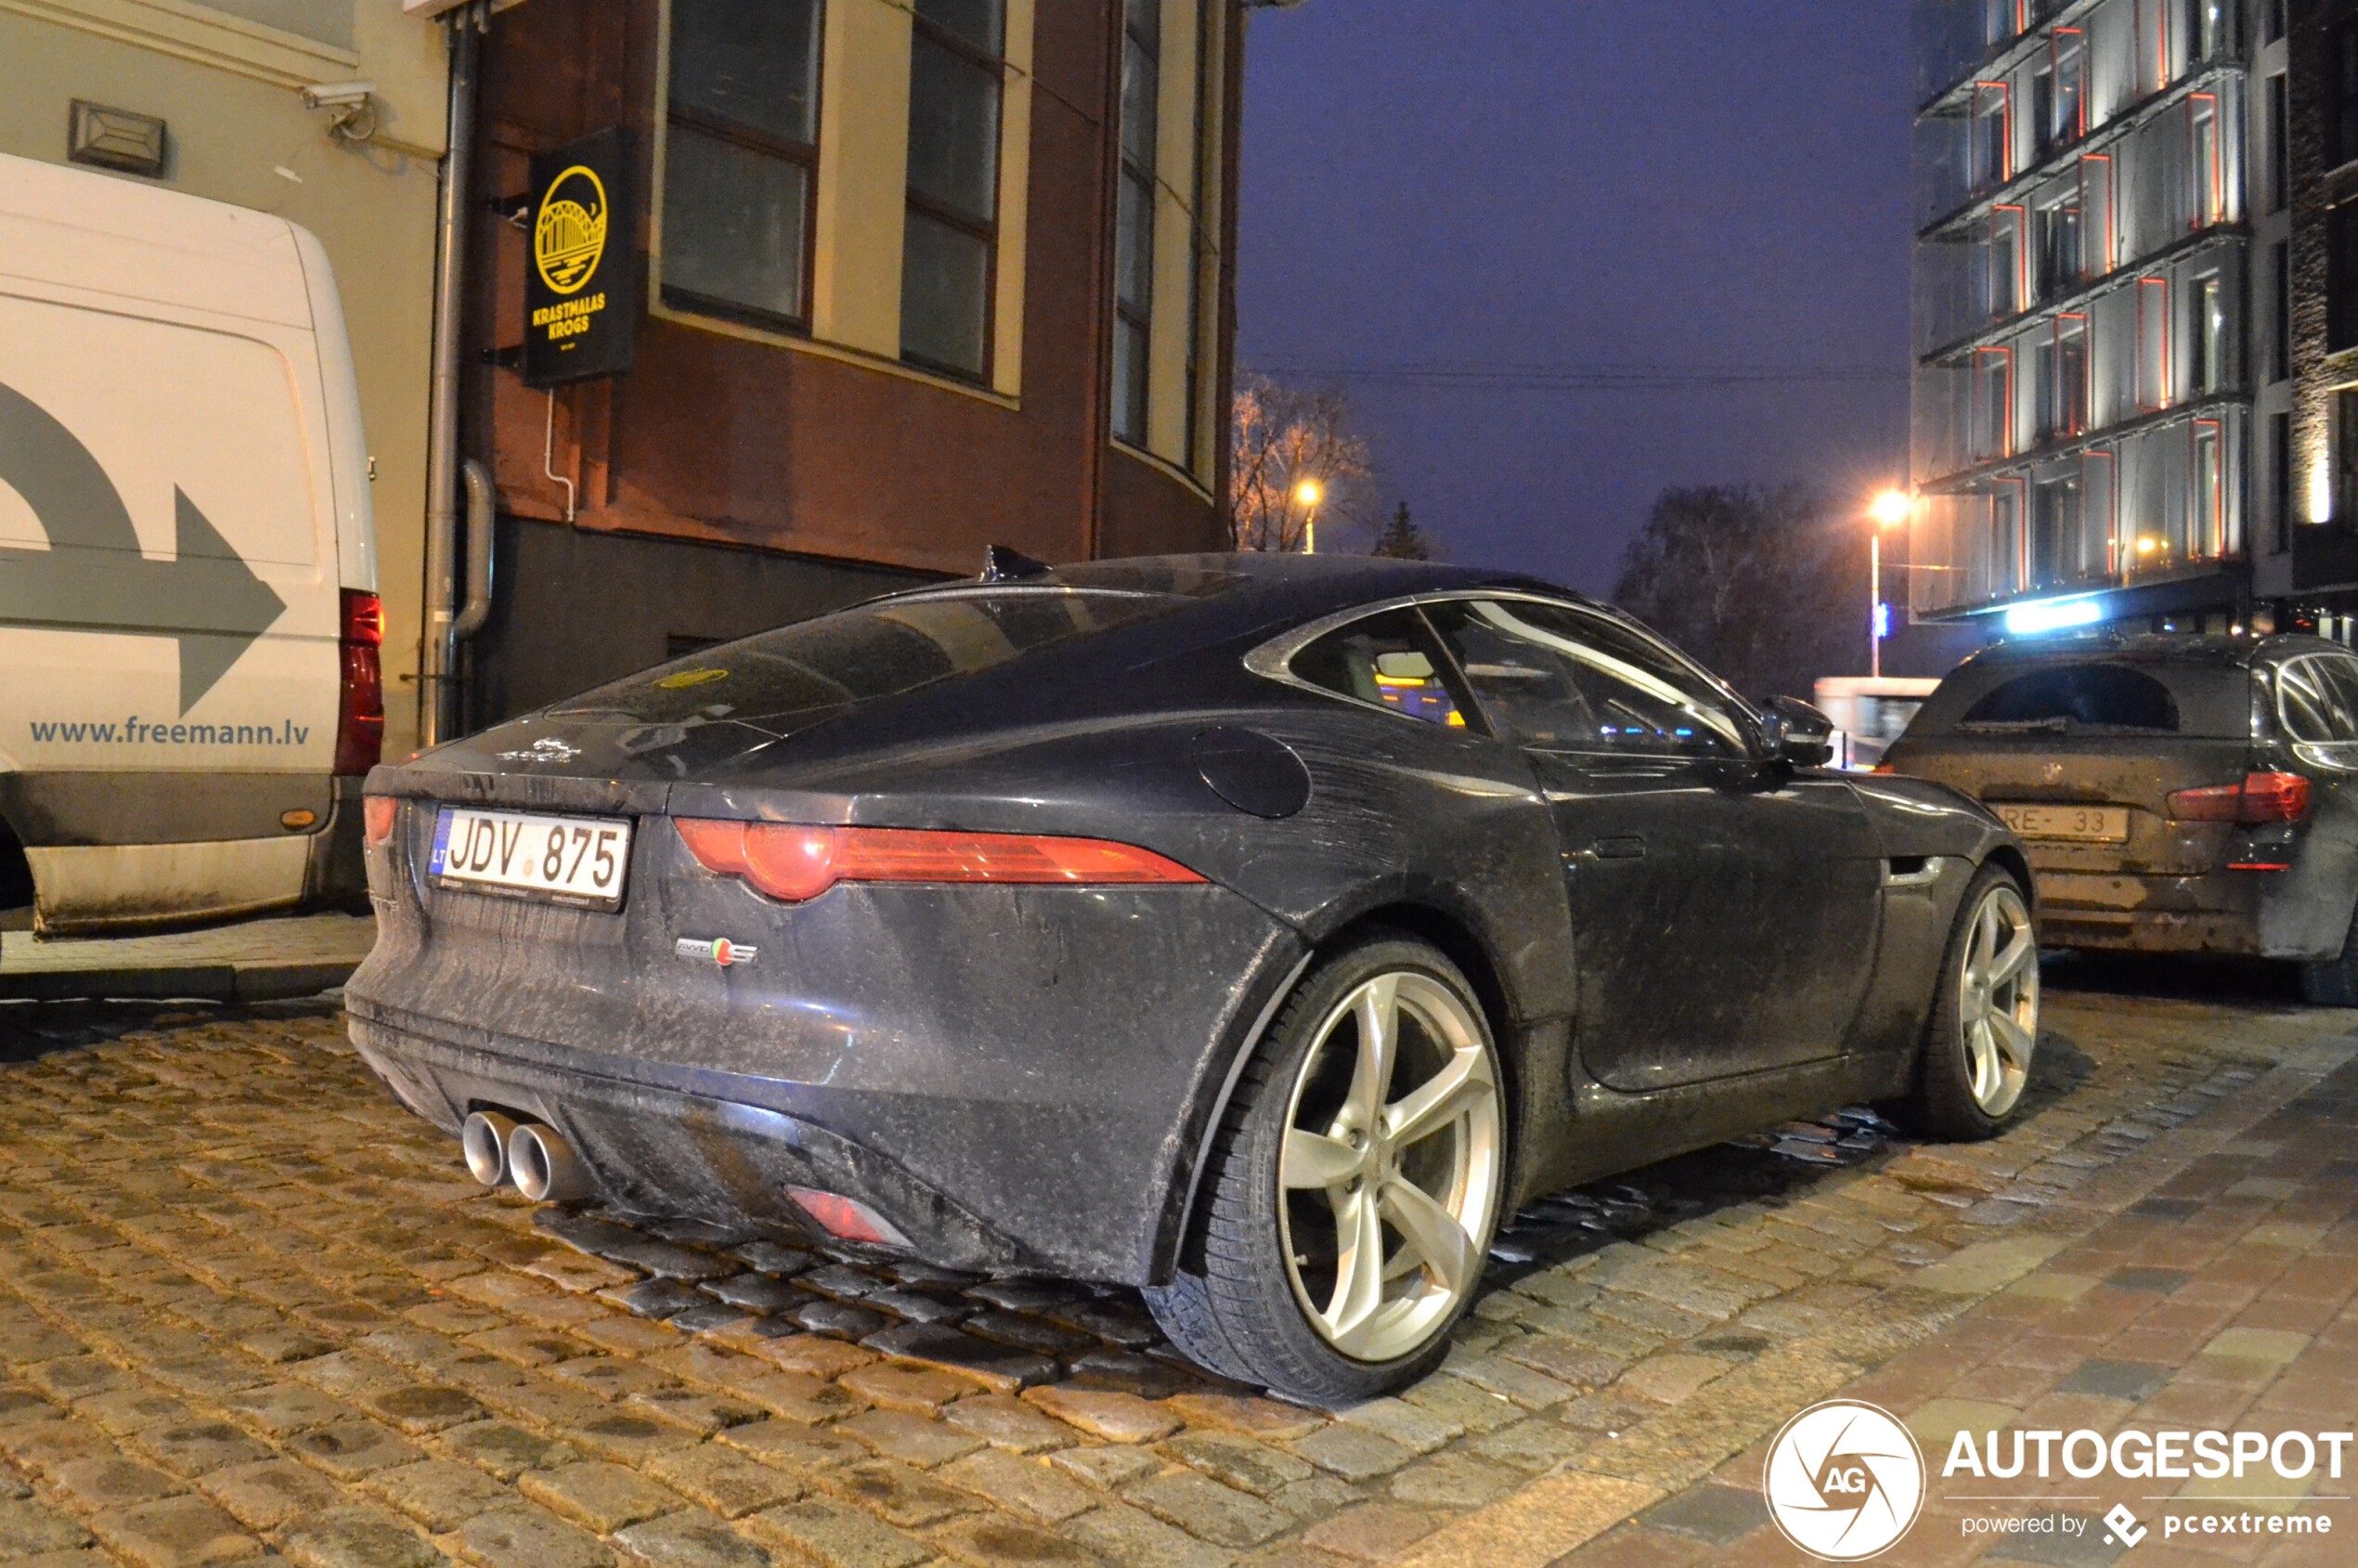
[[1391, 1167], [1998, 1006]]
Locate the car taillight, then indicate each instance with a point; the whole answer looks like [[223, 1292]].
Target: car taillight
[[794, 863], [2260, 799], [377, 814], [360, 714]]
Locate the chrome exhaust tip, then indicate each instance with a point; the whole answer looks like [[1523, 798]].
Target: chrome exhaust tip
[[484, 1136], [544, 1167]]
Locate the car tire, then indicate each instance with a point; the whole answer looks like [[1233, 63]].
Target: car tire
[[1325, 1149], [2333, 982], [1983, 1033]]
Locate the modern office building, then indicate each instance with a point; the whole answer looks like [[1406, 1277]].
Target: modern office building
[[2104, 420]]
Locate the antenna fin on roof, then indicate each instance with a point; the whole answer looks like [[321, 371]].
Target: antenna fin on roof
[[1002, 564]]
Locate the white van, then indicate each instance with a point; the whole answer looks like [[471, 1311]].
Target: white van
[[189, 688]]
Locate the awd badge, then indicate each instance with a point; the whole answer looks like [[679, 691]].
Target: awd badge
[[720, 950]]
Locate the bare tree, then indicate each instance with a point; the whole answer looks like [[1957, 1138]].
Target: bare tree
[[1758, 584], [1285, 436]]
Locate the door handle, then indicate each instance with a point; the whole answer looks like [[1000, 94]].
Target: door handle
[[1630, 846]]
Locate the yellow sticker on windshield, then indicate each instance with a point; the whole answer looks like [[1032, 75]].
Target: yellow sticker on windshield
[[688, 678]]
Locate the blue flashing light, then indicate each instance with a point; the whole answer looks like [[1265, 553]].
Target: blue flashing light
[[1883, 621], [2052, 615]]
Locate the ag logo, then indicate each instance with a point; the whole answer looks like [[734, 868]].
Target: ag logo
[[570, 234], [1844, 1481]]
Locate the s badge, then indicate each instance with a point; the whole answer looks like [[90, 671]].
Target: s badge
[[719, 950]]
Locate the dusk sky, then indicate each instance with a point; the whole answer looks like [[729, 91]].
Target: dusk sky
[[1564, 188]]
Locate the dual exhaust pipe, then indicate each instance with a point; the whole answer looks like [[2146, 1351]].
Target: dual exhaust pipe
[[533, 1155]]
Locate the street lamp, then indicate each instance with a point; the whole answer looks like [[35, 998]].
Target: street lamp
[[1888, 510], [1310, 493]]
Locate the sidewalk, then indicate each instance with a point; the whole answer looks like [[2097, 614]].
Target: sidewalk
[[2224, 1296], [254, 961]]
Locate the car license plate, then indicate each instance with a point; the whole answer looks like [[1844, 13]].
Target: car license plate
[[2088, 825], [578, 860]]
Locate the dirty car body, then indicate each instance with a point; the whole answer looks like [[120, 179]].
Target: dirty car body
[[2176, 793], [1673, 941]]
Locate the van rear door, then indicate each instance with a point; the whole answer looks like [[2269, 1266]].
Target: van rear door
[[169, 577]]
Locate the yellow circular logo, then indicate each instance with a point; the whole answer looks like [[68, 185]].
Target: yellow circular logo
[[570, 234]]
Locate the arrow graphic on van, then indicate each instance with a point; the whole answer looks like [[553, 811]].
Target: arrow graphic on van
[[93, 578]]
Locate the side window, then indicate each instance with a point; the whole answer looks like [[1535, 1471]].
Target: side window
[[2317, 698], [1556, 680], [1389, 659]]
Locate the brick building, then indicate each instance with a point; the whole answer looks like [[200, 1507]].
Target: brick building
[[908, 278]]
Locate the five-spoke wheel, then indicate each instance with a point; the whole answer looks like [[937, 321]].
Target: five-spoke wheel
[[1354, 1183], [1983, 1029]]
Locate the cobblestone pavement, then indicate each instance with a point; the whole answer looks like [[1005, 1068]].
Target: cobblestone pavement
[[249, 1308]]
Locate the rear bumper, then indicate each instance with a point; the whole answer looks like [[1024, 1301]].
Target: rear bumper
[[1012, 1077], [2250, 913], [712, 1152]]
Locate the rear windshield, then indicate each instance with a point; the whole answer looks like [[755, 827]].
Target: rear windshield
[[2095, 696], [817, 668]]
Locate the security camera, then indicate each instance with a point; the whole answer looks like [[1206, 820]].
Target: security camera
[[337, 95]]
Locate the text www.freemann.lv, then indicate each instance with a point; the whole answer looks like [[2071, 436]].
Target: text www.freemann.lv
[[135, 731]]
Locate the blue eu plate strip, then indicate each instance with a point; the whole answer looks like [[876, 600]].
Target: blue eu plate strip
[[441, 842]]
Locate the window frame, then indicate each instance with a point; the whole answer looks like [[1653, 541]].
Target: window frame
[[688, 301], [1273, 660], [1135, 315], [936, 212]]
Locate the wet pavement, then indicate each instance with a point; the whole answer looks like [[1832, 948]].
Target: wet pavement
[[249, 1307]]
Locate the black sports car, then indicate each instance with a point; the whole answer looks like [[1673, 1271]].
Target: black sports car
[[1253, 929]]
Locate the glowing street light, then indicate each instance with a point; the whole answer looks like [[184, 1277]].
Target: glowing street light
[[1888, 510], [1310, 493]]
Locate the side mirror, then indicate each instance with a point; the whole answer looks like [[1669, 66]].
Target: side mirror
[[1796, 734]]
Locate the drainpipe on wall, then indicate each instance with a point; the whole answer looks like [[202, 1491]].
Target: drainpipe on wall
[[435, 706]]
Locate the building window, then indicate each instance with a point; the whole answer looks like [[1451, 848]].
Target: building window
[[1994, 369], [2206, 337], [2280, 347], [1135, 237], [2005, 542], [2005, 263], [741, 159], [2059, 230], [2095, 208], [2207, 534], [2279, 145], [1200, 251], [2055, 532], [2209, 172], [2341, 278], [2272, 22], [2280, 477], [2342, 68], [951, 237], [2068, 110], [2346, 457], [1992, 135]]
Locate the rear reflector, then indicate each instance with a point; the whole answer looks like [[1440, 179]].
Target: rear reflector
[[360, 716], [377, 814], [2258, 865], [794, 863], [2261, 797], [847, 1218]]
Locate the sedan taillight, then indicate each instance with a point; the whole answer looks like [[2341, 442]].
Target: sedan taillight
[[794, 863], [377, 812], [2260, 799]]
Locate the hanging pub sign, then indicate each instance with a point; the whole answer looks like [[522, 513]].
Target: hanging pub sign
[[581, 297]]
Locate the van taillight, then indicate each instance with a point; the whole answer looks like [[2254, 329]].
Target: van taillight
[[360, 716], [2260, 799]]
